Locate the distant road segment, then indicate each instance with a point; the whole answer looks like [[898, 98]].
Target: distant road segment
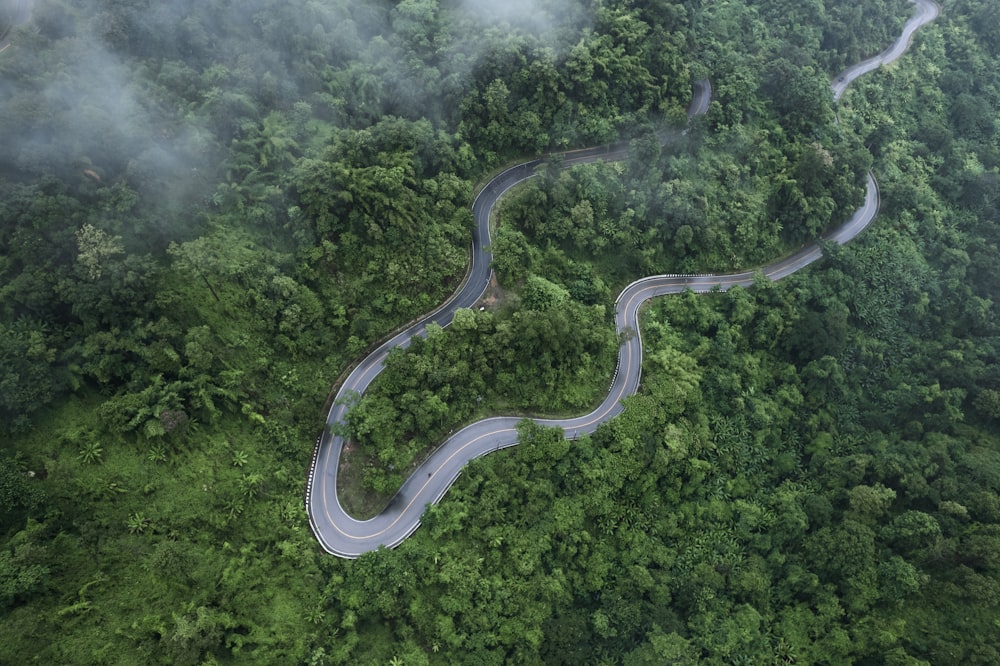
[[342, 535], [20, 14]]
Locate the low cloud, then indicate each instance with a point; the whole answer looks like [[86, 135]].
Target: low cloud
[[536, 16]]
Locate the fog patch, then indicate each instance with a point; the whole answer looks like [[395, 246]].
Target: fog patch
[[539, 17]]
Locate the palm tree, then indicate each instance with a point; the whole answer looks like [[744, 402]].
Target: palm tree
[[90, 452], [156, 454], [137, 523], [250, 484], [234, 508], [315, 616], [274, 142]]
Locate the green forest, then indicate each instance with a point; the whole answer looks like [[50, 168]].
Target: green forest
[[209, 210]]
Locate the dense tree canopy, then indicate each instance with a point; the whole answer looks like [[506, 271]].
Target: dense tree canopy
[[209, 209]]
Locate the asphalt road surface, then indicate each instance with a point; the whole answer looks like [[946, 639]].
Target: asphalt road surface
[[926, 12], [20, 14], [342, 535]]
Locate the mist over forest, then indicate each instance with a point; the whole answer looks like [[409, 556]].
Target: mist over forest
[[209, 210]]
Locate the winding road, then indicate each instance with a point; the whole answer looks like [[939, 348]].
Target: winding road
[[344, 536]]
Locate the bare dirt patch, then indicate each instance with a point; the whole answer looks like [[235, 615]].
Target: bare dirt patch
[[497, 298]]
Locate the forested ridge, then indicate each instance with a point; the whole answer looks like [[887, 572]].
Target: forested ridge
[[209, 209]]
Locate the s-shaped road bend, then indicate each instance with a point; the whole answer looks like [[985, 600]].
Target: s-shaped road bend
[[344, 536]]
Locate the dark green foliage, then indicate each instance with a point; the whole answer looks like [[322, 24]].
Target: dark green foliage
[[207, 209], [478, 367]]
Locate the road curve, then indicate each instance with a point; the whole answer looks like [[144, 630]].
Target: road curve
[[926, 11], [344, 536]]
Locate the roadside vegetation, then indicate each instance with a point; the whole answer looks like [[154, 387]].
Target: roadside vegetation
[[207, 211]]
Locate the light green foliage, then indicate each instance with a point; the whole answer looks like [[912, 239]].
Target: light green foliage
[[541, 295], [96, 247], [552, 360], [230, 200]]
